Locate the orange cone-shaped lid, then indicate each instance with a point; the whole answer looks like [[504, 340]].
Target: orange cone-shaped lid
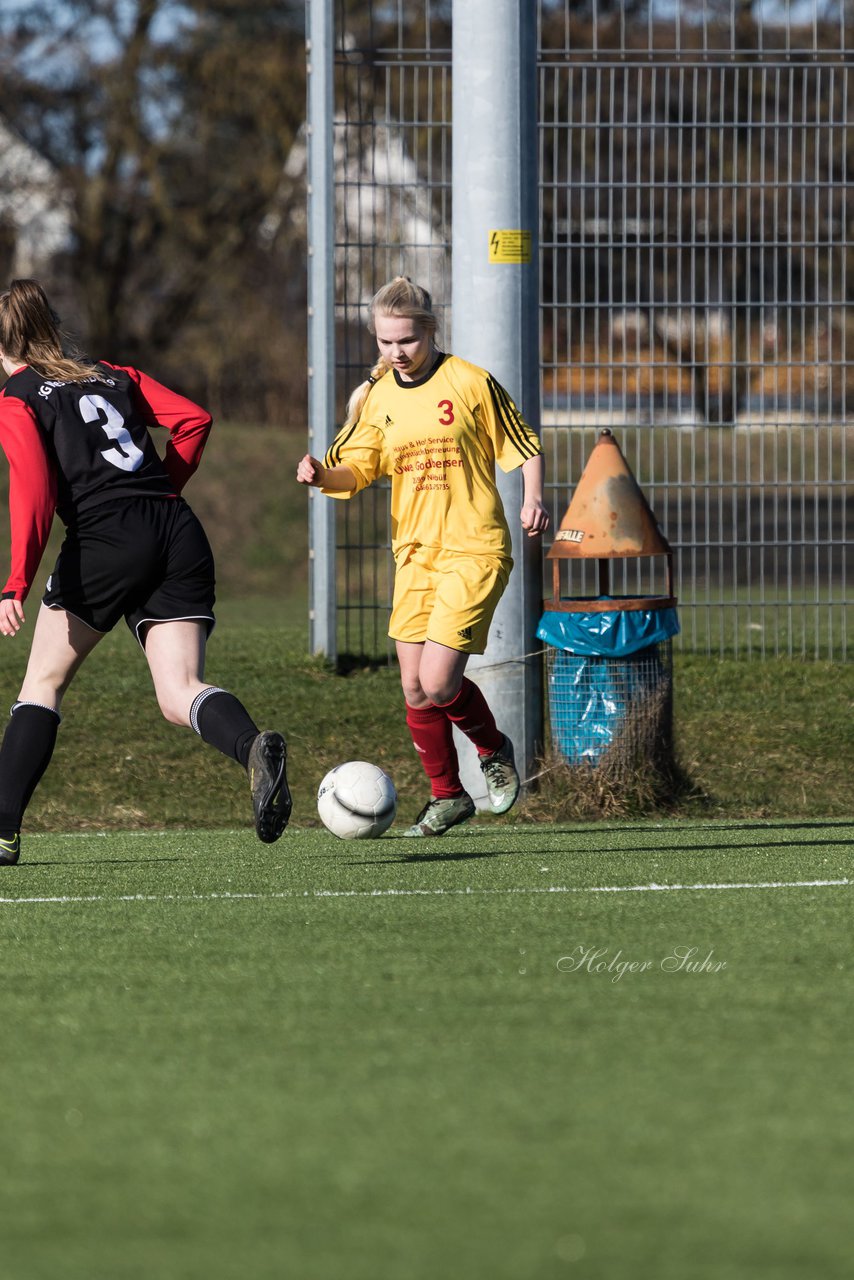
[[608, 515]]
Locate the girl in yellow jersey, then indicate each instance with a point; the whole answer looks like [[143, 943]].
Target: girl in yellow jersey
[[437, 426]]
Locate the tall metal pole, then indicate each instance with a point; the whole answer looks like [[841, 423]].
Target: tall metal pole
[[495, 316], [321, 316]]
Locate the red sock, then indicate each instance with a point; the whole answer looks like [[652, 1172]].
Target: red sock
[[433, 739], [470, 713]]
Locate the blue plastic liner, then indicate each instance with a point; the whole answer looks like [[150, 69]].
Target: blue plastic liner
[[589, 699], [589, 696], [614, 634]]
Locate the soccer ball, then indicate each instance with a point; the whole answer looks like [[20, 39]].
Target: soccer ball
[[357, 801]]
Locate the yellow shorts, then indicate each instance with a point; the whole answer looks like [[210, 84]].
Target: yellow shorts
[[447, 597]]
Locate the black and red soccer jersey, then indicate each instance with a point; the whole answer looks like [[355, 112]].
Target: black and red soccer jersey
[[74, 445]]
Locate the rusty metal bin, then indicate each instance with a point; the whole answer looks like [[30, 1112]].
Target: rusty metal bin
[[609, 658]]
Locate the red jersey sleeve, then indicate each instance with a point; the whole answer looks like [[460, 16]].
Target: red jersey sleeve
[[32, 493], [188, 425]]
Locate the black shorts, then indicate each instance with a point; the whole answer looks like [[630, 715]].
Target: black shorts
[[144, 559]]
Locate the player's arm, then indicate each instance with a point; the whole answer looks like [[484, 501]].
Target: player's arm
[[350, 464], [339, 478], [516, 445], [533, 515], [32, 502], [188, 425], [514, 441]]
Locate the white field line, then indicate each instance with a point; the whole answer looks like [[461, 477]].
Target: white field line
[[295, 894]]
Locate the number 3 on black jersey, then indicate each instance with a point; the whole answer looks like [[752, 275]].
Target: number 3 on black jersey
[[122, 453]]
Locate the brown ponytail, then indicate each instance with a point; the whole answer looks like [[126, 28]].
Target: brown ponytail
[[29, 332]]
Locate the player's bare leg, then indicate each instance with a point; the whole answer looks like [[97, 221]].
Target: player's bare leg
[[430, 672], [61, 644], [175, 653], [176, 658]]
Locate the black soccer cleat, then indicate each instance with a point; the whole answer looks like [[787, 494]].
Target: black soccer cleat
[[10, 850], [271, 798]]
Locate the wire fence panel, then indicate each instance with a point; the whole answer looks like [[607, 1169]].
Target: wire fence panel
[[393, 176], [694, 240], [694, 234]]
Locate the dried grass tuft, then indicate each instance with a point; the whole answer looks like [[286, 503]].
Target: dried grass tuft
[[636, 776]]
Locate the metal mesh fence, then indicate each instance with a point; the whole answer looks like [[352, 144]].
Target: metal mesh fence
[[393, 181], [612, 714], [694, 234]]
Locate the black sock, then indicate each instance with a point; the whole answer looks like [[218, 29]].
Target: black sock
[[221, 720], [25, 754]]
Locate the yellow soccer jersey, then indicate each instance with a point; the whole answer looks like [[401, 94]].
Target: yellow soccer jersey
[[438, 438]]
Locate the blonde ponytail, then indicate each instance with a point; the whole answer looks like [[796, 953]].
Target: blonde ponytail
[[356, 403]]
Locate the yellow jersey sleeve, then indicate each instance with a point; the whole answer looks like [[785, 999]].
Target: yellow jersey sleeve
[[359, 447], [513, 440]]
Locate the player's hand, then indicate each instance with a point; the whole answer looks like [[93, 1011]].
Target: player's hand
[[308, 470], [11, 617], [534, 518]]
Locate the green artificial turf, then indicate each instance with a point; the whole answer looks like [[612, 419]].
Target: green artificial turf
[[343, 1061]]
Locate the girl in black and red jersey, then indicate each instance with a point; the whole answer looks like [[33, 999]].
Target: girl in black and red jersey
[[76, 434]]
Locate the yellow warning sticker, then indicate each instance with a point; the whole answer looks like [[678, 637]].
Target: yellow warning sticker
[[510, 246]]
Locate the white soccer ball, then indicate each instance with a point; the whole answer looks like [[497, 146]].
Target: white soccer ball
[[357, 801]]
